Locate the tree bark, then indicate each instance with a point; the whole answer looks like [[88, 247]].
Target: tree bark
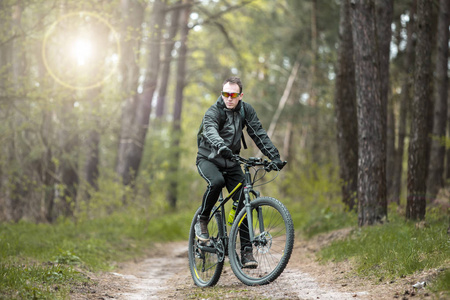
[[165, 72], [131, 154], [15, 176], [418, 145], [178, 106], [384, 20], [437, 155], [132, 13], [405, 104], [284, 98], [313, 98], [371, 135], [92, 144], [345, 111], [142, 120]]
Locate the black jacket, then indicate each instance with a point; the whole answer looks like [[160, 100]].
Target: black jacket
[[225, 129]]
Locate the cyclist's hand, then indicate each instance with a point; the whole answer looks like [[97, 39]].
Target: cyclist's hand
[[278, 163], [225, 152]]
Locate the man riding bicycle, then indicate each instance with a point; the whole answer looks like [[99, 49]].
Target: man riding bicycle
[[220, 138]]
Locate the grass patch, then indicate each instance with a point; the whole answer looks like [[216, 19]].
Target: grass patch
[[42, 261], [396, 249], [442, 283]]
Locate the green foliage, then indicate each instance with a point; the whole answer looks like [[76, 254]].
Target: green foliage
[[31, 281], [442, 283], [394, 249], [39, 260], [328, 219], [316, 205]]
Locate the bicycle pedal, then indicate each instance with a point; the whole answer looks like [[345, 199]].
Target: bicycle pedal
[[250, 267]]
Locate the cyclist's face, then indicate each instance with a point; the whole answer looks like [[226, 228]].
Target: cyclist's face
[[231, 103]]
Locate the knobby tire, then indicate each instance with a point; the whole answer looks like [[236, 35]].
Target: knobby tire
[[205, 266], [273, 248]]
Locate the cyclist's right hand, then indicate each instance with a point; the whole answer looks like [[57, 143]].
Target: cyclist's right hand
[[278, 163], [225, 152]]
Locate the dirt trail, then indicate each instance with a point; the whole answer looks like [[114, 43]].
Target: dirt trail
[[165, 275]]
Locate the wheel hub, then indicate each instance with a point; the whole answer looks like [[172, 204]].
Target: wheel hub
[[264, 242]]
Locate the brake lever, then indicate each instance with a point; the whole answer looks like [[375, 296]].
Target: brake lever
[[272, 167]]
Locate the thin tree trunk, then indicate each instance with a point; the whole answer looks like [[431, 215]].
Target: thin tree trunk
[[418, 145], [170, 42], [284, 98], [132, 12], [17, 191], [405, 105], [48, 168], [68, 157], [314, 119], [137, 115], [140, 126], [384, 20], [437, 155], [91, 166], [345, 110], [178, 106], [447, 166], [371, 134], [92, 143]]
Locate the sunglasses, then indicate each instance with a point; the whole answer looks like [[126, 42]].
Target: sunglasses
[[232, 95]]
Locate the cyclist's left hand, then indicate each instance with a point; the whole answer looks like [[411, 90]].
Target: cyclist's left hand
[[278, 163], [225, 152]]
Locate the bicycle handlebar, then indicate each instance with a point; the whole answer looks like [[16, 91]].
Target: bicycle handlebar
[[257, 161]]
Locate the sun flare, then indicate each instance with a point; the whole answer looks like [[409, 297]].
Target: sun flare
[[82, 51]]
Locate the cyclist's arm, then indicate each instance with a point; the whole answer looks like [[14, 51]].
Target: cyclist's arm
[[259, 135], [211, 127]]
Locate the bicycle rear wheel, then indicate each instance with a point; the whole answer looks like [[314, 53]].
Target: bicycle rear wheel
[[205, 266], [274, 239]]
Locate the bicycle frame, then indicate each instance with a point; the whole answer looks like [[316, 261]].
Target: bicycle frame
[[247, 189], [271, 239]]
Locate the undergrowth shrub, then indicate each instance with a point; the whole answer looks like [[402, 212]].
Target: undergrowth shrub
[[394, 249]]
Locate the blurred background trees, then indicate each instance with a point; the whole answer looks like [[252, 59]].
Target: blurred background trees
[[100, 101]]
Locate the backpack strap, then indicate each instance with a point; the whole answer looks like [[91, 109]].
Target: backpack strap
[[242, 111]]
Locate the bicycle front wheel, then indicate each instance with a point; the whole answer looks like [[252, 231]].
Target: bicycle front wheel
[[206, 266], [273, 241]]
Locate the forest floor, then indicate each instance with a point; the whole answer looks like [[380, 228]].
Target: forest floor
[[164, 274]]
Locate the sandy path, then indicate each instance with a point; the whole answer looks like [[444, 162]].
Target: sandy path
[[165, 275]]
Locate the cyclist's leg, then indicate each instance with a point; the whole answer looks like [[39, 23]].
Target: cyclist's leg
[[233, 177], [214, 178]]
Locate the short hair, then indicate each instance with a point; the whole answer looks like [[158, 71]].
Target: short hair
[[235, 80]]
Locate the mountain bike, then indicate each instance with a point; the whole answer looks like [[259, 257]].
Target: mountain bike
[[264, 221]]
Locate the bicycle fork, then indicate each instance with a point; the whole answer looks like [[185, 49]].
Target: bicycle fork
[[248, 207]]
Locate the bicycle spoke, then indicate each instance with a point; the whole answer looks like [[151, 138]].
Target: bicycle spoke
[[272, 244], [205, 266]]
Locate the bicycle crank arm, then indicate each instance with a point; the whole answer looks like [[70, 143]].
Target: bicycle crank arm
[[207, 249]]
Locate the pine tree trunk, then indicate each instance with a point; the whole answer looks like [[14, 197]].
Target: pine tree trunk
[[132, 13], [405, 105], [137, 113], [437, 155], [165, 70], [384, 20], [178, 107], [345, 110], [371, 132], [418, 145]]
